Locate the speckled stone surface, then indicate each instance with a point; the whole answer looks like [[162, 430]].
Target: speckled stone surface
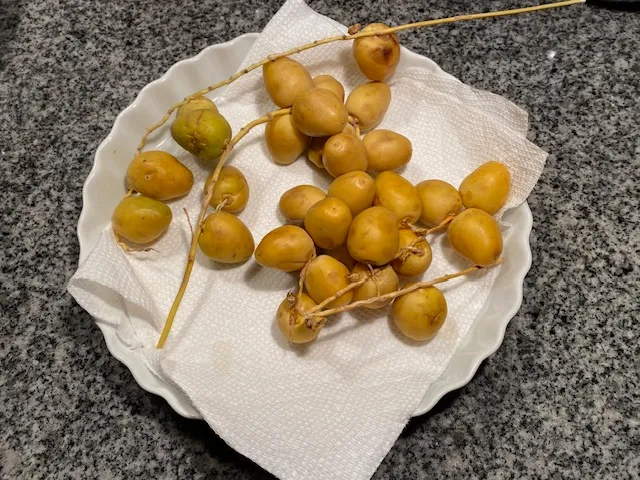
[[560, 399]]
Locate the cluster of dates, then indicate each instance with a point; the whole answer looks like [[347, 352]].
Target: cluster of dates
[[354, 244]]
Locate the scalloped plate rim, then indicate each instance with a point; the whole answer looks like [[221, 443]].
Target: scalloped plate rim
[[455, 375]]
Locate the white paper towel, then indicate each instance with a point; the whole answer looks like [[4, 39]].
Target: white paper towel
[[334, 408]]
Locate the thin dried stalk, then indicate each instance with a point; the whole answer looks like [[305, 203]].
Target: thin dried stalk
[[337, 295], [353, 34], [203, 212], [404, 252], [303, 274], [398, 293]]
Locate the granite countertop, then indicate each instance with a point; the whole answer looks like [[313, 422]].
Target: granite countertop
[[560, 398]]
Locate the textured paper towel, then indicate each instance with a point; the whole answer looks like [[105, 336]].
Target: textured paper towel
[[334, 408]]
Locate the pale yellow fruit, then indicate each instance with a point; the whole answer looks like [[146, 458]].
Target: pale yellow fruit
[[384, 280], [284, 79], [487, 187], [373, 237], [159, 175], [204, 133], [387, 150], [344, 153], [377, 56], [420, 314], [232, 188], [398, 195], [284, 141], [328, 222], [292, 323], [324, 277], [329, 83], [286, 248], [368, 103], [439, 201], [141, 219], [356, 189], [296, 202], [412, 262], [225, 238], [475, 235], [319, 113]]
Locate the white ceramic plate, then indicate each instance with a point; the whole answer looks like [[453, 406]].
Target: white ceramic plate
[[105, 186]]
